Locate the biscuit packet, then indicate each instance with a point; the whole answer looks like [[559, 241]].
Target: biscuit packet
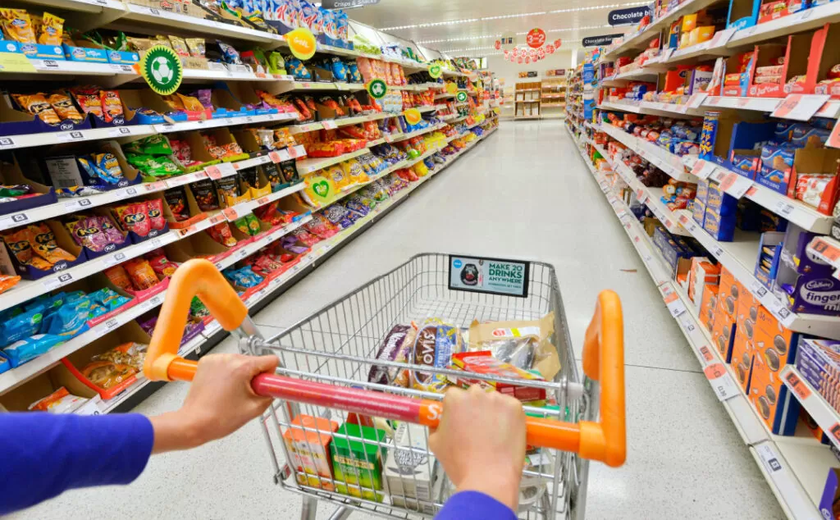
[[51, 30], [17, 25], [523, 344]]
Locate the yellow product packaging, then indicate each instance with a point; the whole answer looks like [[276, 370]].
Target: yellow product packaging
[[319, 189], [523, 344], [190, 103], [354, 172], [420, 169], [52, 30], [17, 25], [179, 45], [338, 176]]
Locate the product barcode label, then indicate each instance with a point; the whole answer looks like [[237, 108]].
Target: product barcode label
[[784, 208], [119, 131], [116, 258], [64, 137], [111, 324], [58, 281], [722, 383]]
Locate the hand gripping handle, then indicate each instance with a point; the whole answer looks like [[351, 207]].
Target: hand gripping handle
[[193, 278], [603, 360]]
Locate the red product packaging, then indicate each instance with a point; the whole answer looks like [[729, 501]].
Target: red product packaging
[[483, 362]]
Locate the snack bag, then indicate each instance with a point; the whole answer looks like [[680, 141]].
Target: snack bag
[[221, 234], [63, 106], [60, 401], [162, 266], [337, 173], [37, 105], [130, 354], [88, 99], [43, 244], [111, 105], [176, 199], [141, 274], [106, 375], [17, 25], [248, 225], [108, 299], [155, 212], [524, 344], [119, 277], [133, 217], [228, 189], [354, 172], [395, 347], [205, 195]]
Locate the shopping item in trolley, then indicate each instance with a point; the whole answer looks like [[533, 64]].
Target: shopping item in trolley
[[335, 428]]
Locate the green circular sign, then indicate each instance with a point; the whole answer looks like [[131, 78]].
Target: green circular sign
[[461, 97], [377, 89], [161, 68], [435, 71]]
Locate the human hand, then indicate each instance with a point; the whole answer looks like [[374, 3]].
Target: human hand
[[481, 443], [219, 402]]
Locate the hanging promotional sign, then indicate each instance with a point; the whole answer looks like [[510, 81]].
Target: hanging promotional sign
[[377, 89], [346, 4], [435, 71], [302, 43], [628, 16], [535, 38], [451, 88], [161, 68], [598, 41], [557, 43], [461, 97], [550, 48], [412, 116], [508, 40]]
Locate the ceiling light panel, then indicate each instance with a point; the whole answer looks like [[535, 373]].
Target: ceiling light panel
[[467, 38]]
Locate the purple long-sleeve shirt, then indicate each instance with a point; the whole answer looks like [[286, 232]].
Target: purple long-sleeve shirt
[[46, 454]]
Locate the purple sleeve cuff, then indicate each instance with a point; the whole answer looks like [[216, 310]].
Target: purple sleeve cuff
[[47, 454], [472, 505]]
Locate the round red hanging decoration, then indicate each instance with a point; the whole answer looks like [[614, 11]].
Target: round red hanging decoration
[[498, 44], [541, 53], [557, 43], [519, 59], [535, 38], [550, 49]]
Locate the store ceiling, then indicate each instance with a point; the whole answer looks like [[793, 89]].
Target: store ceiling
[[471, 26]]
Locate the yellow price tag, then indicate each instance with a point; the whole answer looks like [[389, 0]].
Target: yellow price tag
[[15, 62]]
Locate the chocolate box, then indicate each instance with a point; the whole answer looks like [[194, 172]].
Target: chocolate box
[[804, 281], [742, 360]]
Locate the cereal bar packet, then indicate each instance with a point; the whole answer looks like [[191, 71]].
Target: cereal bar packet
[[17, 25], [52, 28]]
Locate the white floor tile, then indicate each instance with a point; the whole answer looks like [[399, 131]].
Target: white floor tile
[[523, 193]]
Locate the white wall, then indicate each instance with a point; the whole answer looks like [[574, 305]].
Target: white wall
[[509, 71]]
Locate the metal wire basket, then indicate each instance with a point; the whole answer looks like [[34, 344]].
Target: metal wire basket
[[338, 345], [327, 430]]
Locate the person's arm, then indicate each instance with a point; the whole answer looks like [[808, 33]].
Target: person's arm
[[481, 444], [44, 455]]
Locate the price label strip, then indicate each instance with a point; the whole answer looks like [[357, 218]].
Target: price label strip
[[800, 107], [722, 383]]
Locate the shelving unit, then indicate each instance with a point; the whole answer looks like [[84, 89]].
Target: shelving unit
[[553, 98], [794, 467], [527, 101], [139, 18]]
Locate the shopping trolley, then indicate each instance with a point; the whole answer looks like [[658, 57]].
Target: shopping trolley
[[323, 382]]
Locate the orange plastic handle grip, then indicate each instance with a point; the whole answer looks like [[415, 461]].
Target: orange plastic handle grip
[[193, 278], [603, 361]]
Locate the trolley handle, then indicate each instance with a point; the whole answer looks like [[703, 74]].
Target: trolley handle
[[603, 360]]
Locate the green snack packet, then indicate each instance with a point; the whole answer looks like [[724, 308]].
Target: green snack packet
[[248, 225], [156, 144], [164, 166], [276, 65], [357, 460]]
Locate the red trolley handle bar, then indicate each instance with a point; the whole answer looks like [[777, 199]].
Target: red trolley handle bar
[[603, 360], [540, 432]]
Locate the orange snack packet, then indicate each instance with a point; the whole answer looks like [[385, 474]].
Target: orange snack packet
[[63, 106], [43, 243], [37, 105], [119, 277], [141, 273], [7, 282]]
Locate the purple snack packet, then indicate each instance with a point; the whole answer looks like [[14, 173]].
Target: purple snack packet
[[110, 230], [290, 244], [204, 97], [390, 350]]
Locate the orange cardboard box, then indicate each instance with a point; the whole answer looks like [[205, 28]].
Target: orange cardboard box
[[772, 399], [747, 314], [742, 360], [729, 293], [701, 275], [708, 306], [310, 449], [774, 343], [723, 332]]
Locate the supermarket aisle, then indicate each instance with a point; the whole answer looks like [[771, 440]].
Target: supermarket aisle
[[522, 193]]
